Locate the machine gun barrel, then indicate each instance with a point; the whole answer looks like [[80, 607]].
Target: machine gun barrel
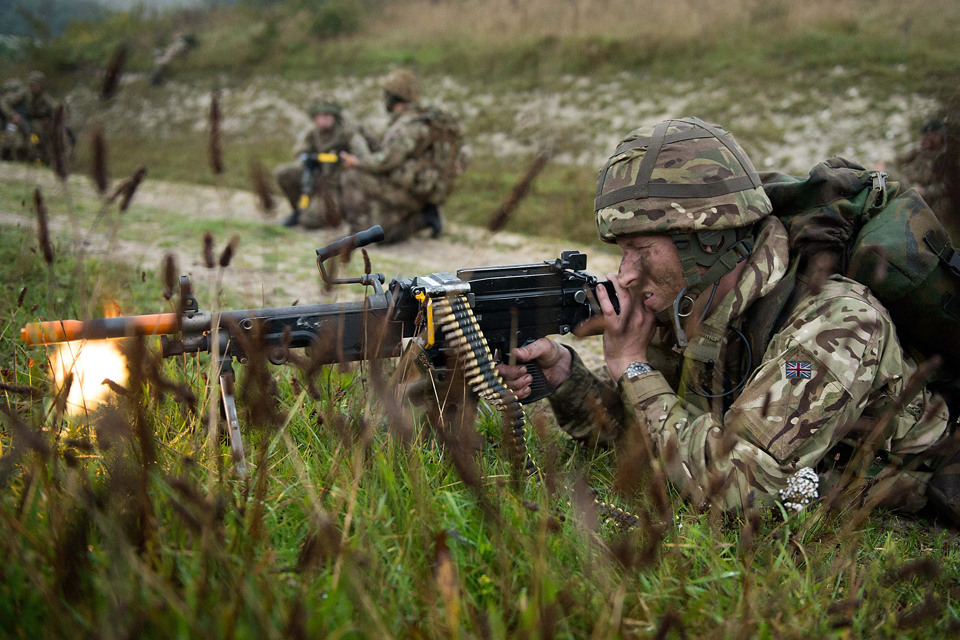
[[102, 328]]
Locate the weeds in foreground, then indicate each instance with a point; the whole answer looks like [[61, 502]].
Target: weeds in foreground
[[359, 517], [124, 521]]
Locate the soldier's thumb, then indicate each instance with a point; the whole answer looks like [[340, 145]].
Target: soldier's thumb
[[535, 350]]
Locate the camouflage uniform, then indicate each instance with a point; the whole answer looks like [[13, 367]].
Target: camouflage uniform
[[8, 88], [835, 366], [27, 141], [325, 202], [394, 186], [383, 188]]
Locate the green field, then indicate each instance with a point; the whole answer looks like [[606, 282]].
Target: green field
[[532, 41], [132, 521], [360, 518]]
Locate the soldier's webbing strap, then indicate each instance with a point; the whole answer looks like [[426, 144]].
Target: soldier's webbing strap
[[462, 333], [940, 244]]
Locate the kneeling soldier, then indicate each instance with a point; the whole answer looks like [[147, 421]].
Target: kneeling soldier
[[311, 184]]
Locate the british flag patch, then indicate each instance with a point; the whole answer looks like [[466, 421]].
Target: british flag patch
[[798, 370]]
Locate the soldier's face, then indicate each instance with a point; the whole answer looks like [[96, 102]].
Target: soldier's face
[[324, 121], [931, 140], [35, 88], [650, 269]]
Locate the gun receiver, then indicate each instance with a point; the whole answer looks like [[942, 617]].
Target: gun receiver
[[513, 305]]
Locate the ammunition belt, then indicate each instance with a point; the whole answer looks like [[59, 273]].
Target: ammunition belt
[[462, 334]]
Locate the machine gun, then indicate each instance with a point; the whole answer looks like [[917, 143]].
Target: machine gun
[[478, 314]]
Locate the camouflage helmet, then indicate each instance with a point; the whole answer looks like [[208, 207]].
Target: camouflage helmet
[[933, 125], [403, 84], [36, 77], [327, 106], [679, 176]]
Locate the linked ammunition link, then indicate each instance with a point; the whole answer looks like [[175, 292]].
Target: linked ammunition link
[[462, 334], [614, 513], [461, 330]]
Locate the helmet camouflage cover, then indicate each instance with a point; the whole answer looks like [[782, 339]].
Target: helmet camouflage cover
[[679, 176], [404, 84], [325, 106]]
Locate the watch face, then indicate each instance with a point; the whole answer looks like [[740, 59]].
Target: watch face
[[638, 368]]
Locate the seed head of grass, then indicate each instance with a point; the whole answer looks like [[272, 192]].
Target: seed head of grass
[[214, 145], [43, 228], [113, 72], [229, 251], [98, 158]]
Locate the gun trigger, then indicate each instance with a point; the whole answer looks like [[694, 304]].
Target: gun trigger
[[431, 331], [304, 202]]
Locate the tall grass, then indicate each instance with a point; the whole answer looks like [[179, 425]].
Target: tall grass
[[359, 520]]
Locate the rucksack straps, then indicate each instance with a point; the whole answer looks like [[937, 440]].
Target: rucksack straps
[[940, 244]]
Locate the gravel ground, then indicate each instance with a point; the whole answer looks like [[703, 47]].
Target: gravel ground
[[789, 127]]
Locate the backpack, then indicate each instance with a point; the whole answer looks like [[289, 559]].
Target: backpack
[[442, 154], [865, 229], [892, 243]]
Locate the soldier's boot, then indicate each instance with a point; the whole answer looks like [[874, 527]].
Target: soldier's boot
[[944, 488], [431, 217], [293, 219]]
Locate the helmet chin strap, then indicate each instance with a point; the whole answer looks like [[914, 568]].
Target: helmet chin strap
[[694, 253]]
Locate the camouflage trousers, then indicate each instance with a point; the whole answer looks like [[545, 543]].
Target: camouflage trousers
[[324, 209], [370, 199], [16, 144]]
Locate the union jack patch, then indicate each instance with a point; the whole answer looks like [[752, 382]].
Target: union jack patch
[[798, 370]]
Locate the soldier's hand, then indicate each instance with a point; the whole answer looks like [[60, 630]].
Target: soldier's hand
[[17, 119], [348, 159], [554, 360], [626, 335]]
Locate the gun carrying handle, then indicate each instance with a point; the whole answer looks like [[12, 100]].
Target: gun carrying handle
[[362, 239]]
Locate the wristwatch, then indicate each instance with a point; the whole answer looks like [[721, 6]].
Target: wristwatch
[[637, 369]]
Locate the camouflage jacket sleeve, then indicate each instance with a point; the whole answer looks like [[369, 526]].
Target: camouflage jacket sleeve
[[398, 146], [11, 100], [587, 405], [837, 355], [45, 106], [304, 143], [359, 146]]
